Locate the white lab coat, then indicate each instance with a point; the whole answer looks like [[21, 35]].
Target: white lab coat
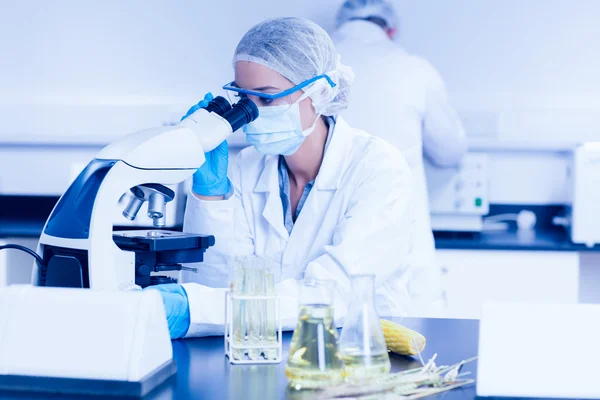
[[401, 98], [358, 218]]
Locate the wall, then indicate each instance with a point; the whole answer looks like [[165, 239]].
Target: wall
[[494, 54], [126, 48], [532, 63], [544, 50]]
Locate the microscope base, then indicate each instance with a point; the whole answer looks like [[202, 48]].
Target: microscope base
[[97, 387]]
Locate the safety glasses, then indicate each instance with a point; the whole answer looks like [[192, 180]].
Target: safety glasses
[[266, 98]]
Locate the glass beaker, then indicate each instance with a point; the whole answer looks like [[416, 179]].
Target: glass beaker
[[362, 344], [314, 359]]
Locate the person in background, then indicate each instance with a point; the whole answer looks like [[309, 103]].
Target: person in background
[[401, 98], [315, 196]]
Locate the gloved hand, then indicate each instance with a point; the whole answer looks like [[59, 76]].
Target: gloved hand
[[208, 97], [211, 178], [177, 308]]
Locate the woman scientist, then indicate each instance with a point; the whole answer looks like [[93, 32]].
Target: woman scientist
[[319, 198]]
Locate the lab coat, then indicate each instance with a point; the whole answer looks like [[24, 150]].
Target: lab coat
[[358, 218], [401, 98]]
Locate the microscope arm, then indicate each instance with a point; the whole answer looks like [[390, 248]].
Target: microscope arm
[[169, 147], [181, 146]]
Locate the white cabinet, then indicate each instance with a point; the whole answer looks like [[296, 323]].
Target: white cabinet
[[16, 265], [589, 277], [471, 277]]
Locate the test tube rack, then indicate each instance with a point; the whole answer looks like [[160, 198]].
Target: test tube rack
[[230, 346]]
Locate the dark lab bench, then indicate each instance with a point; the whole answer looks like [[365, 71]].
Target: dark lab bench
[[203, 371], [24, 216], [545, 237], [549, 239]]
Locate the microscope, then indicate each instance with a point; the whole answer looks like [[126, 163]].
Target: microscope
[[78, 245]]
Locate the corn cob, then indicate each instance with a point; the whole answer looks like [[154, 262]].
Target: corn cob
[[399, 339]]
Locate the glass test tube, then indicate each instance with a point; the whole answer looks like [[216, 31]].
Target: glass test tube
[[253, 275], [270, 335], [238, 310]]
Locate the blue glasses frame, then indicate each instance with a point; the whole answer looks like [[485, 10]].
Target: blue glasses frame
[[272, 96]]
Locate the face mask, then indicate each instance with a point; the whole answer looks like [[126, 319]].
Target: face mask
[[276, 131]]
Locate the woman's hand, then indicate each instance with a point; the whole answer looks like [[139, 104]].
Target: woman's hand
[[210, 180], [177, 308]]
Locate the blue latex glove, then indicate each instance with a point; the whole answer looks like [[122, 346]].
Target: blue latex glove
[[177, 308], [208, 97], [211, 178]]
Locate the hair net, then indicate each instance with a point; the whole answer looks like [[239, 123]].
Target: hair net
[[353, 9], [299, 50]]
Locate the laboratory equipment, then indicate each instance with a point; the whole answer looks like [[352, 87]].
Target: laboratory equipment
[[252, 315], [584, 186], [270, 333], [173, 213], [63, 340], [458, 197], [255, 318], [362, 345], [78, 244], [314, 360], [524, 219], [158, 251], [237, 314]]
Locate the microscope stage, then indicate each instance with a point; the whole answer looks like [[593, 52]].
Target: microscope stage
[[160, 240]]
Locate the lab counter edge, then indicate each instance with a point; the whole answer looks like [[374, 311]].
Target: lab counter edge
[[540, 240]]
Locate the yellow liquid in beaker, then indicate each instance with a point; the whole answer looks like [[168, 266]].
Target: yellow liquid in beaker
[[314, 361], [359, 366]]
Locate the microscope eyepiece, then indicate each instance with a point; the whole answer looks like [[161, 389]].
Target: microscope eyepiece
[[219, 105], [242, 113]]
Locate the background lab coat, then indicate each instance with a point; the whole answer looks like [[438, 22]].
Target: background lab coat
[[401, 98], [358, 218]]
